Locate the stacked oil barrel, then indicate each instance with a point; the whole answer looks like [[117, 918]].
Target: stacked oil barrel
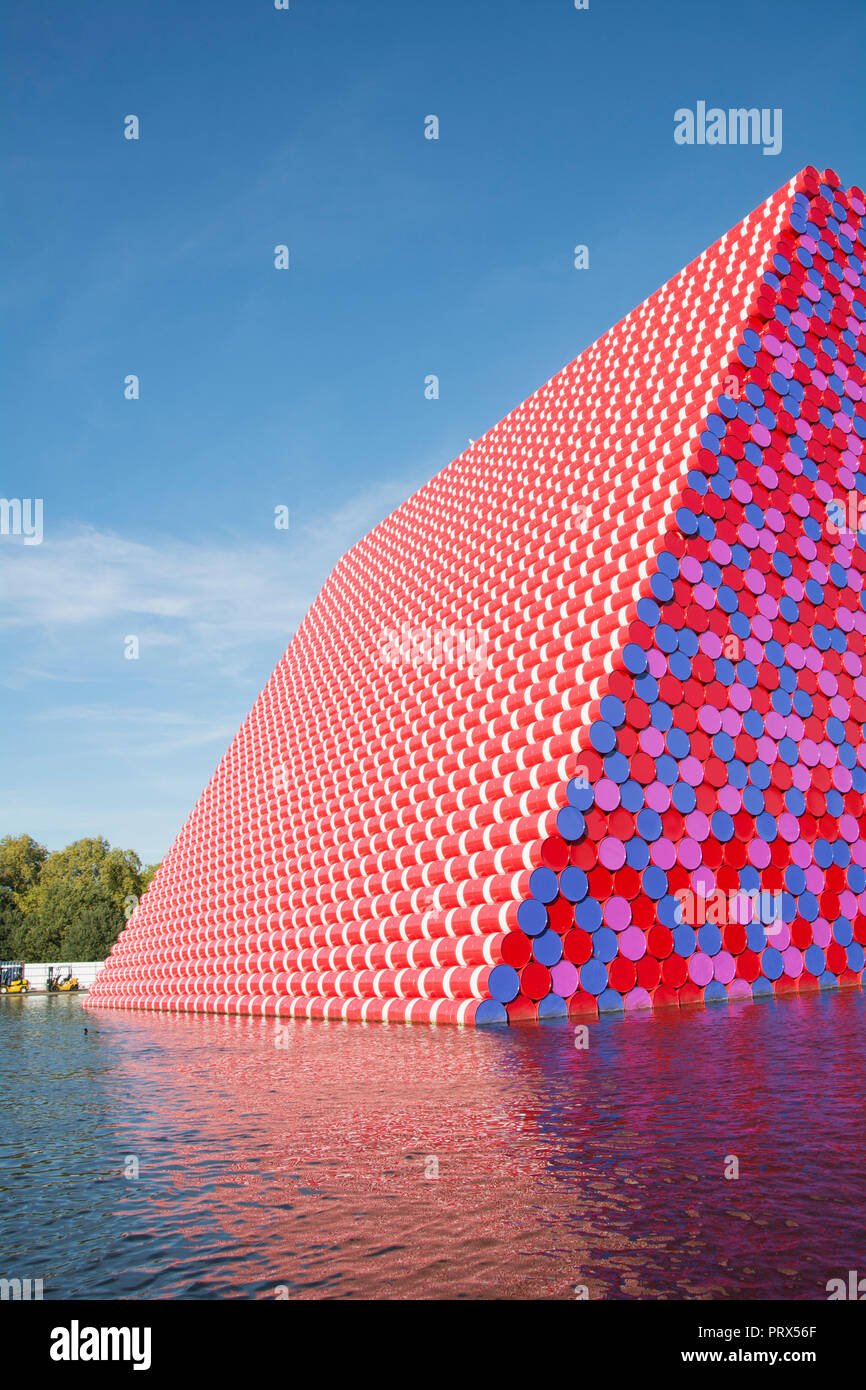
[[579, 727]]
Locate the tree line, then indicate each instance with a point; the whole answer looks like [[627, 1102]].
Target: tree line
[[67, 905]]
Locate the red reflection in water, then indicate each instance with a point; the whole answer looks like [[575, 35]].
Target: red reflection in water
[[334, 1159]]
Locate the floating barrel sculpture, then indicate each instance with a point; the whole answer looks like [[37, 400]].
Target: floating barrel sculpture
[[579, 727]]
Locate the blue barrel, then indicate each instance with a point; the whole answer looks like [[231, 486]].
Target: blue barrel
[[503, 983], [489, 1011]]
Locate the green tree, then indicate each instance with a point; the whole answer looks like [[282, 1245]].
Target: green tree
[[39, 936], [92, 933], [11, 925], [21, 860], [76, 917], [69, 905], [116, 872], [147, 875]]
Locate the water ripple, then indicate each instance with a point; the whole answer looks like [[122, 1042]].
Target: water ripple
[[201, 1158]]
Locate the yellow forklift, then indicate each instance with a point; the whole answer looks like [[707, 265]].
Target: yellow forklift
[[60, 983], [12, 979]]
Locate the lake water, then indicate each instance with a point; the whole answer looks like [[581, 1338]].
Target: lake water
[[322, 1160]]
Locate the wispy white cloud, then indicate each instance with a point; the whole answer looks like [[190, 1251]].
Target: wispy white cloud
[[116, 729], [225, 595], [123, 748], [90, 576]]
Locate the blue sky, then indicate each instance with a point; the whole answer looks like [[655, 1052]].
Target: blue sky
[[305, 388]]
